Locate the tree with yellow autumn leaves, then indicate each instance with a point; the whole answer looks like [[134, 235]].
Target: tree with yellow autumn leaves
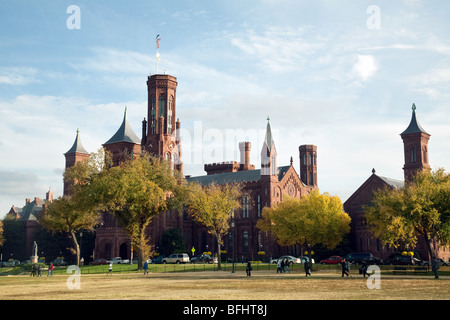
[[313, 219]]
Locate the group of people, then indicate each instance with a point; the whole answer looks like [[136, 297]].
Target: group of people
[[36, 270], [283, 266]]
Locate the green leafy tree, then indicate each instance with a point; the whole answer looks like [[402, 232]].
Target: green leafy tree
[[78, 210], [135, 192], [172, 242], [67, 214], [313, 219], [212, 206], [420, 209]]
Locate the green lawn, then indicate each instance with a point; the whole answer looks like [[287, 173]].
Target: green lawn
[[163, 268]]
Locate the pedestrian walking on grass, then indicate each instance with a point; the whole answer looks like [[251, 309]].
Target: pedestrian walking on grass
[[344, 266], [435, 268], [286, 266], [248, 269], [307, 267], [110, 269], [279, 266], [364, 268], [50, 270], [145, 267], [33, 270]]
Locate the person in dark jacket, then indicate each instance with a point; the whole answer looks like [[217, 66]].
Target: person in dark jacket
[[364, 268], [435, 267], [344, 266], [248, 269], [307, 267]]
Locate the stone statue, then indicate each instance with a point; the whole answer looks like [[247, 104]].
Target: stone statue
[[34, 254], [35, 248]]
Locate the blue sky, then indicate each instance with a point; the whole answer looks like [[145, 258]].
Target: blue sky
[[339, 74]]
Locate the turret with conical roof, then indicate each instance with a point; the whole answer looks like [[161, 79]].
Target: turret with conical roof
[[75, 154], [415, 142], [124, 144], [124, 134]]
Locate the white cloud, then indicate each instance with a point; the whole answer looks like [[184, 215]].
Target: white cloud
[[365, 68], [17, 75], [279, 49]]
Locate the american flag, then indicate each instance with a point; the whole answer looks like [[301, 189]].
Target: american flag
[[157, 41]]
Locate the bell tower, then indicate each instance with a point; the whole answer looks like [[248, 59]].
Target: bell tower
[[161, 132], [415, 143], [308, 164]]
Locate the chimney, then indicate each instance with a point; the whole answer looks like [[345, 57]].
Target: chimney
[[49, 195], [144, 132], [36, 200], [245, 148], [27, 201]]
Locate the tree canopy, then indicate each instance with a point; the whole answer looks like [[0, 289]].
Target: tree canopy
[[421, 209], [313, 219], [135, 192], [78, 209], [212, 206]]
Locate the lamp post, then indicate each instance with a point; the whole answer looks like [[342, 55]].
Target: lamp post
[[232, 234]]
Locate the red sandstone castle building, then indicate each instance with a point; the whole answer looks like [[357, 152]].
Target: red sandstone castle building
[[415, 148], [160, 137], [265, 186]]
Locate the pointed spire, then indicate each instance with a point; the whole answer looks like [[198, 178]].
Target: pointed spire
[[269, 139], [414, 125], [125, 133], [77, 145]]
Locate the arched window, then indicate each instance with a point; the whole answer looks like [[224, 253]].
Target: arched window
[[245, 242], [425, 155], [258, 203], [413, 155], [230, 242], [245, 207], [162, 106], [170, 114], [153, 116]]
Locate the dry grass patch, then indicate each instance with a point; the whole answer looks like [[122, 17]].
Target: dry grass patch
[[221, 285]]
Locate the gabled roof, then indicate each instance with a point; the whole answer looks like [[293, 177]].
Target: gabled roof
[[234, 177], [30, 211], [125, 133], [77, 146], [374, 182], [414, 125], [393, 182]]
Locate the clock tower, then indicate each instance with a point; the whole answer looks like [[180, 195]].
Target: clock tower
[[161, 132]]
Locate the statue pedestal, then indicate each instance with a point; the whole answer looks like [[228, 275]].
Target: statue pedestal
[[34, 259]]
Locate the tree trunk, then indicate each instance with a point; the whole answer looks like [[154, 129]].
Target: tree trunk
[[76, 247], [219, 254], [430, 251]]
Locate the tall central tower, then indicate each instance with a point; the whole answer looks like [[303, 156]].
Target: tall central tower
[[161, 133]]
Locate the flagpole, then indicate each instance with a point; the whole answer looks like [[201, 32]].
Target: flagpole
[[157, 54]]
